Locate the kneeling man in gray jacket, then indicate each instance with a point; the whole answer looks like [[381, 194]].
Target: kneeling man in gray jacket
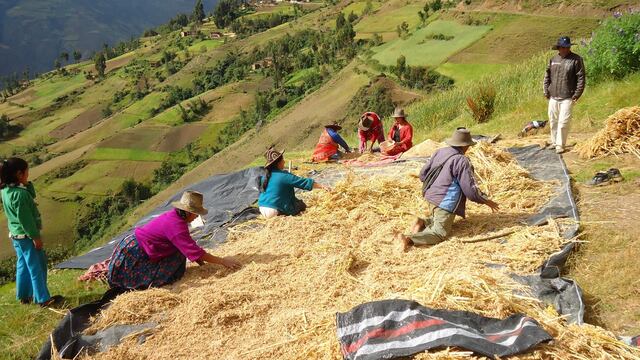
[[449, 183]]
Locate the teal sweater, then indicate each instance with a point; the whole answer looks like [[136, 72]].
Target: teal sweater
[[21, 211], [280, 193]]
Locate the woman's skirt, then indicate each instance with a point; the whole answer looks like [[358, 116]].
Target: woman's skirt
[[131, 268]]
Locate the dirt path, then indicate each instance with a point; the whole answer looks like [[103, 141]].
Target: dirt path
[[606, 267]]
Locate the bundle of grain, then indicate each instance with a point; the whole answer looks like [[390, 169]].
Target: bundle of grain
[[300, 270], [425, 148], [621, 134]]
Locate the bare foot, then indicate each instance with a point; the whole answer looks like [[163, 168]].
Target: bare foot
[[402, 243], [418, 226]]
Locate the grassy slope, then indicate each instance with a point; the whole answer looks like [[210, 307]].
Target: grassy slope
[[418, 49]]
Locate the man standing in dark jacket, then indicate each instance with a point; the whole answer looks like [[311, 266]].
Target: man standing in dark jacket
[[563, 85], [448, 192]]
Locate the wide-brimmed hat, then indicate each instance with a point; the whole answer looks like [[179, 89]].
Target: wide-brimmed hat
[[399, 113], [564, 42], [334, 126], [460, 137], [366, 120], [272, 155], [191, 201]]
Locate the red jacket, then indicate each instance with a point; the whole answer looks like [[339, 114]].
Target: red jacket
[[375, 132], [406, 138], [325, 148]]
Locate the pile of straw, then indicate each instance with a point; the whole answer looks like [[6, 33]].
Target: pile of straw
[[620, 135], [299, 271], [425, 148]]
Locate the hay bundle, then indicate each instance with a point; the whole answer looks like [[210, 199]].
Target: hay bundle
[[425, 148], [299, 271], [620, 135]]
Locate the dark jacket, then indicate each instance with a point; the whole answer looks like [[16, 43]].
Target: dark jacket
[[454, 184], [565, 77]]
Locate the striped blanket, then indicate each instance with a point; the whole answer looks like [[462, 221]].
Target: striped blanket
[[395, 328]]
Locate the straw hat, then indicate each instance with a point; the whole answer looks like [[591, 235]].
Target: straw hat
[[366, 120], [399, 113], [334, 126], [272, 155], [191, 201], [460, 137]]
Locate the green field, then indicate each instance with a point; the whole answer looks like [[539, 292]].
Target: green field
[[210, 136], [48, 90], [126, 154], [267, 10], [386, 21], [138, 111], [205, 44], [507, 43], [419, 49], [358, 7]]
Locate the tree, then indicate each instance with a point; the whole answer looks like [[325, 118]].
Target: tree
[[340, 21], [57, 64], [352, 17], [225, 12], [436, 5], [77, 55], [100, 63], [64, 56], [403, 29], [198, 12], [401, 66], [4, 126], [423, 15]]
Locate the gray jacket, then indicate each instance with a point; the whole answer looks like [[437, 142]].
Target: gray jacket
[[455, 183], [565, 78]]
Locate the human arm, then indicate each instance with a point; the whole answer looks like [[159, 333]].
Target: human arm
[[227, 262], [298, 182], [338, 139], [580, 80], [320, 186], [547, 81], [363, 141], [467, 182], [27, 215]]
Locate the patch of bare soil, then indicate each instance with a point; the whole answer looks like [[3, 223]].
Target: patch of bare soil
[[178, 137], [24, 97], [80, 123]]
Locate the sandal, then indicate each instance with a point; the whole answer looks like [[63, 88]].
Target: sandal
[[53, 301]]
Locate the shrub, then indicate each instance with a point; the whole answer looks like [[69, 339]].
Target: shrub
[[615, 47], [481, 107]]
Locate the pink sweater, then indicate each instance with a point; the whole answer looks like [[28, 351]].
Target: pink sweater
[[165, 235]]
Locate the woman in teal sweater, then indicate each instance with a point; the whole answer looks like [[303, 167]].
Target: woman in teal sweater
[[277, 188], [18, 201]]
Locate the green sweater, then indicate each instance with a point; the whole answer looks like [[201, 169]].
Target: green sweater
[[20, 208]]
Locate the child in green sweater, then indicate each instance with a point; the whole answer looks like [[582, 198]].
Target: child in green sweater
[[18, 200]]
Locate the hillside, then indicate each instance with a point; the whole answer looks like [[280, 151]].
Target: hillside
[[34, 33], [174, 110]]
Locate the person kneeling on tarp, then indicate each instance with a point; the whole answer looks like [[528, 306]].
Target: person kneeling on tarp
[[277, 188], [400, 138], [327, 147], [447, 183], [370, 129], [156, 253]]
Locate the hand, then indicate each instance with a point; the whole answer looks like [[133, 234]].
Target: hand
[[574, 100], [547, 96], [230, 263], [493, 205], [326, 188], [37, 243]]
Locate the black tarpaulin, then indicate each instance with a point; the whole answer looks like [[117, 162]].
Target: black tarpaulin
[[228, 198], [394, 328]]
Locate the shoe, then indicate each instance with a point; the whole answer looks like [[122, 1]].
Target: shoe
[[53, 301], [615, 175], [560, 150], [550, 146], [601, 178], [26, 301]]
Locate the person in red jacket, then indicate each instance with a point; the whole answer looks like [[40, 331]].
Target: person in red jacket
[[327, 147], [400, 135], [370, 129]]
